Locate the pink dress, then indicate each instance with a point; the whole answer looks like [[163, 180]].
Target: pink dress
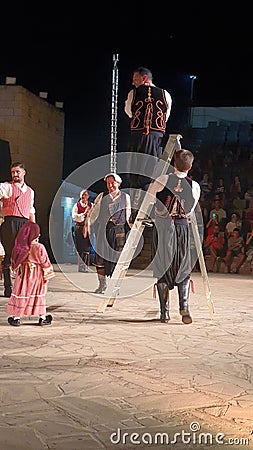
[[30, 284]]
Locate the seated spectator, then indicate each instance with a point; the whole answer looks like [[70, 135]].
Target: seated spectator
[[249, 248], [205, 184], [213, 221], [220, 212], [215, 245], [234, 222], [220, 190], [204, 205], [248, 216], [196, 171], [235, 247], [235, 187], [248, 194], [239, 205]]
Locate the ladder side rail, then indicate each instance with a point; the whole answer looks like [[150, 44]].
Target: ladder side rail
[[202, 264]]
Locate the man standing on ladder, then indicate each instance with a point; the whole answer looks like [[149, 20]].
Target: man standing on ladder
[[149, 108]]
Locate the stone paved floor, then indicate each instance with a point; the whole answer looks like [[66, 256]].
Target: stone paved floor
[[94, 381]]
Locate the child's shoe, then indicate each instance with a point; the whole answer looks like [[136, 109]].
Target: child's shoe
[[46, 321]]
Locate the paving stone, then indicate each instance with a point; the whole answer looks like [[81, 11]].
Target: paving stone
[[70, 385]]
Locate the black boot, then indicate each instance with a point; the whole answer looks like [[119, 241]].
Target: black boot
[[7, 281], [84, 263], [163, 292], [183, 294], [102, 285]]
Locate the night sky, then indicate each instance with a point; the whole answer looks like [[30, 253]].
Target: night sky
[[69, 54]]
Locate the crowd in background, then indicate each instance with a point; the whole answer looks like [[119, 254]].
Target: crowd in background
[[226, 180]]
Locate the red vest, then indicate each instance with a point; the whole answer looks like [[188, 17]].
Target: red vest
[[19, 204], [81, 209]]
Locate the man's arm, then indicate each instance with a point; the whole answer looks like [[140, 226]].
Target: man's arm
[[128, 104], [95, 210], [32, 217], [169, 101], [128, 210], [5, 190], [196, 194]]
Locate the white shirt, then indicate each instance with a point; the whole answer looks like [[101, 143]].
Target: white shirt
[[128, 103]]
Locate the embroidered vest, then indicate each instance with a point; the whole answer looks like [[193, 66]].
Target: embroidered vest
[[176, 198], [149, 108], [115, 210], [19, 204]]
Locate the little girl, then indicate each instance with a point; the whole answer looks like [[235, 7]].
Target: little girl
[[33, 269]]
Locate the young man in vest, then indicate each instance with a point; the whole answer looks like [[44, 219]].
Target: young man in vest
[[17, 200], [175, 201]]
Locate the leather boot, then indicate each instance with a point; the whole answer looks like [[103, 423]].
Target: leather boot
[[7, 281], [102, 285], [183, 294], [85, 262], [163, 292]]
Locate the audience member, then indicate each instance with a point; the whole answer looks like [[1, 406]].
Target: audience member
[[235, 187], [248, 194], [220, 212], [248, 216], [234, 222], [220, 190], [204, 205], [215, 244], [249, 248], [213, 221], [235, 248], [196, 171], [205, 184]]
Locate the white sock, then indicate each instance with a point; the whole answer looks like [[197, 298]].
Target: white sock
[[43, 316], [16, 318]]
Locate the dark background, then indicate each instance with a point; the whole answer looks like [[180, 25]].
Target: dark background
[[68, 52]]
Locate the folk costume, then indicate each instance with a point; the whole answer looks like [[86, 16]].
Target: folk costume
[[149, 107], [33, 270], [171, 240], [17, 205], [83, 244], [111, 214]]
